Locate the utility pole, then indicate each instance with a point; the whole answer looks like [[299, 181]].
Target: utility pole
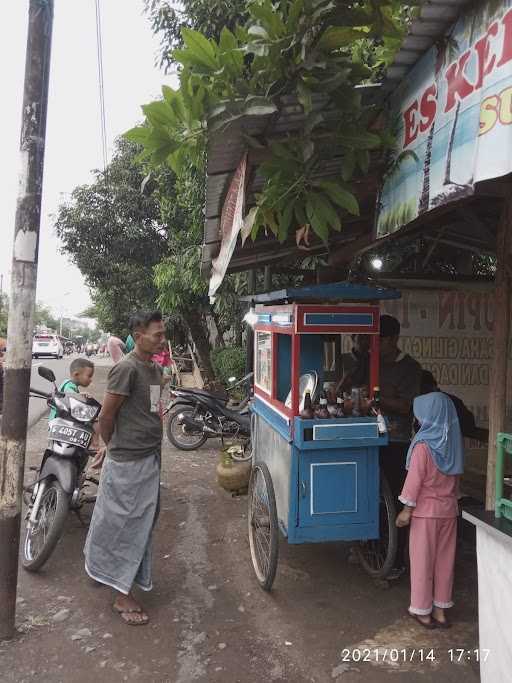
[[23, 296]]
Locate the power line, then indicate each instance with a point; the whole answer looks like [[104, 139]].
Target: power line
[[101, 88]]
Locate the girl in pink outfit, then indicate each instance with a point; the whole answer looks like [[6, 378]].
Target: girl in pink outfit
[[430, 497]]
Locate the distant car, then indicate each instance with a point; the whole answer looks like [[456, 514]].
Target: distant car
[[47, 345]]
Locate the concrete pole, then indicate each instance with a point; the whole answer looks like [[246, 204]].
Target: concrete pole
[[498, 385], [23, 296]]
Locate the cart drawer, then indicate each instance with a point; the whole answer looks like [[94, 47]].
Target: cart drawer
[[338, 488], [349, 432]]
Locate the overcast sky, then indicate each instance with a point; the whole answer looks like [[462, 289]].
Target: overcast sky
[[73, 143]]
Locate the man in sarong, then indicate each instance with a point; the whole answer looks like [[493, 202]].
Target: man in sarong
[[118, 546]]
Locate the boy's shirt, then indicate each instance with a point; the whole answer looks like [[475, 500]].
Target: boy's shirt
[[67, 385]]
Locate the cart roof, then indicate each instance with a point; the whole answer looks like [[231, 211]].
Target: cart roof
[[336, 291]]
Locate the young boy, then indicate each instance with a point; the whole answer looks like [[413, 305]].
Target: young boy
[[81, 373]]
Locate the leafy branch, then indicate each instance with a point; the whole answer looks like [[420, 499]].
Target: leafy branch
[[311, 52]]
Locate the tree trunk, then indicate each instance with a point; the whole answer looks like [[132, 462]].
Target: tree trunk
[[424, 202], [220, 342], [199, 334], [448, 168]]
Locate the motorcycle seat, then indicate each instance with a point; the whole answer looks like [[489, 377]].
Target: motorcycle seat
[[207, 394]]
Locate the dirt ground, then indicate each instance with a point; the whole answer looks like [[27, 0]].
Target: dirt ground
[[210, 621]]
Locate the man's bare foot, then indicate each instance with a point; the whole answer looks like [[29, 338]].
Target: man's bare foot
[[129, 610]]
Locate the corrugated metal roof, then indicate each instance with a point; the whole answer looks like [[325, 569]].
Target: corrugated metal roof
[[435, 18]]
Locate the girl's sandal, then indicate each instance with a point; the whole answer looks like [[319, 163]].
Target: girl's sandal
[[441, 624], [429, 625], [124, 614]]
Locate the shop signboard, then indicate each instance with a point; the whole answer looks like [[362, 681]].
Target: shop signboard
[[451, 118]]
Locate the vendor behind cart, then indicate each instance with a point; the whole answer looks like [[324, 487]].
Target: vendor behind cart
[[400, 380]]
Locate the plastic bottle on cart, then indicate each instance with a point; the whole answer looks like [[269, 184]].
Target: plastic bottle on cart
[[356, 402], [347, 404], [340, 409], [307, 413], [381, 422], [332, 406], [321, 412]]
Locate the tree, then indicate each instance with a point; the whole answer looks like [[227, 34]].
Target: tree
[[177, 277], [114, 233], [207, 16], [316, 52], [44, 317], [4, 314]]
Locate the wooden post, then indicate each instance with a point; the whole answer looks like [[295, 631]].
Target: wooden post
[[267, 279], [21, 310], [498, 386]]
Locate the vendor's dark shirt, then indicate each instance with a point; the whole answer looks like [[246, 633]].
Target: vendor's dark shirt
[[400, 379]]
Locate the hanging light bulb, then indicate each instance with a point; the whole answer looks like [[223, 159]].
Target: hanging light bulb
[[377, 263]]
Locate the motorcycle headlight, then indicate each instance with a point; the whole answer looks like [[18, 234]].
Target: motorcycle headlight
[[81, 411]]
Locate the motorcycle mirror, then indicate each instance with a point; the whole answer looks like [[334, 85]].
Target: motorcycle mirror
[[46, 373]]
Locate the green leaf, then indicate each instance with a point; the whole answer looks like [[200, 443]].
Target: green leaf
[[300, 214], [269, 18], [285, 220], [294, 15], [363, 160], [359, 140], [336, 37], [348, 164], [200, 47], [328, 212], [227, 40], [304, 96], [175, 100], [159, 114], [316, 219], [139, 135], [339, 195]]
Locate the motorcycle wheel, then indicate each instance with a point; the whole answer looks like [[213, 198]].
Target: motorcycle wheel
[[41, 539], [181, 436]]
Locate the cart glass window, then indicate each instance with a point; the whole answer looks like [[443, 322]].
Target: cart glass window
[[263, 366]]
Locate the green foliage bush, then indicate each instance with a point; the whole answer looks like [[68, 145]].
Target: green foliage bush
[[228, 362]]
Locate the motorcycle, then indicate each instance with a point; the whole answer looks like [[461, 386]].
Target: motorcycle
[[61, 478], [196, 415]]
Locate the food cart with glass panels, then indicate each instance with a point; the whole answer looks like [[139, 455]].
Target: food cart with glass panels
[[315, 480]]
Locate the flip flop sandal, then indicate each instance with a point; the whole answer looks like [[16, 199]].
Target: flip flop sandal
[[441, 624], [429, 626], [131, 610]]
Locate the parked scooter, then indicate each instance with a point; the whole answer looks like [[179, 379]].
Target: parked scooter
[[61, 477], [197, 415]]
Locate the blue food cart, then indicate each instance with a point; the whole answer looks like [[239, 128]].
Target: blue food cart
[[315, 480]]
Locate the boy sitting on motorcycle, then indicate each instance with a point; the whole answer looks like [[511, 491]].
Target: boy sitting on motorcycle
[[81, 371]]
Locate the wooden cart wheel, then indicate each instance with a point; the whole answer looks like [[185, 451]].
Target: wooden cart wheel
[[377, 556], [263, 525]]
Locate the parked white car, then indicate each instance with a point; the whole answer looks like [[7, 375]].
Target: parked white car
[[47, 345]]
